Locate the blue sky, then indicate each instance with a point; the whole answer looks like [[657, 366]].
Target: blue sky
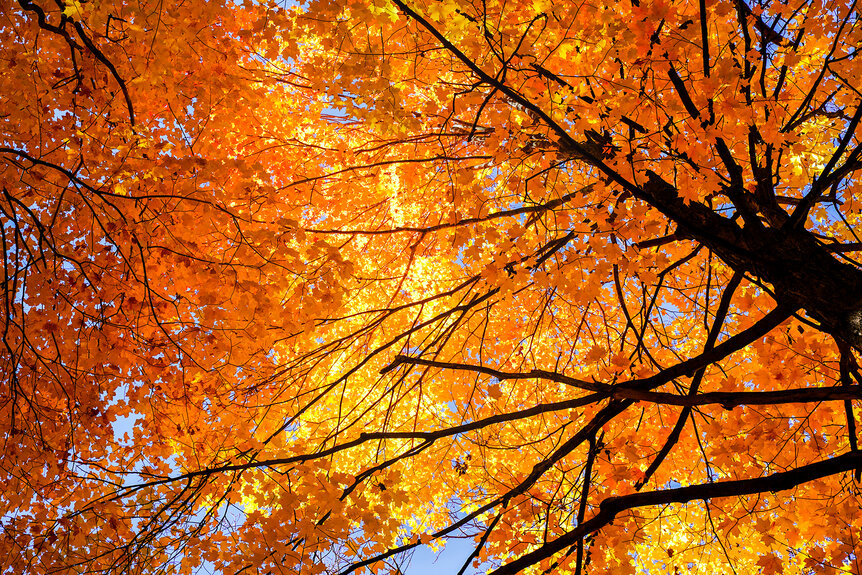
[[447, 562]]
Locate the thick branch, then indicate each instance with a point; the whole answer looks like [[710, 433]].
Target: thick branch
[[613, 506], [636, 388]]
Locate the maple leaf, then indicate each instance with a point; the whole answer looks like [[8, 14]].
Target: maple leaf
[[770, 563], [73, 10]]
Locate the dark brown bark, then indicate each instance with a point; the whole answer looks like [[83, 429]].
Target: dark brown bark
[[801, 272]]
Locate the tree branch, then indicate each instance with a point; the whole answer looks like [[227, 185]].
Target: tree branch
[[613, 506]]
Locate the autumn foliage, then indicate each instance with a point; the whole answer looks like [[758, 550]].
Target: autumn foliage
[[299, 288]]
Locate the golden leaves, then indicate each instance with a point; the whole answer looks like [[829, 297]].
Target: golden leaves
[[310, 193]]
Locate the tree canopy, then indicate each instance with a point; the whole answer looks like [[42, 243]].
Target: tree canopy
[[301, 287]]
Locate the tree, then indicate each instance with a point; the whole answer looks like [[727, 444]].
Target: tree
[[300, 288]]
